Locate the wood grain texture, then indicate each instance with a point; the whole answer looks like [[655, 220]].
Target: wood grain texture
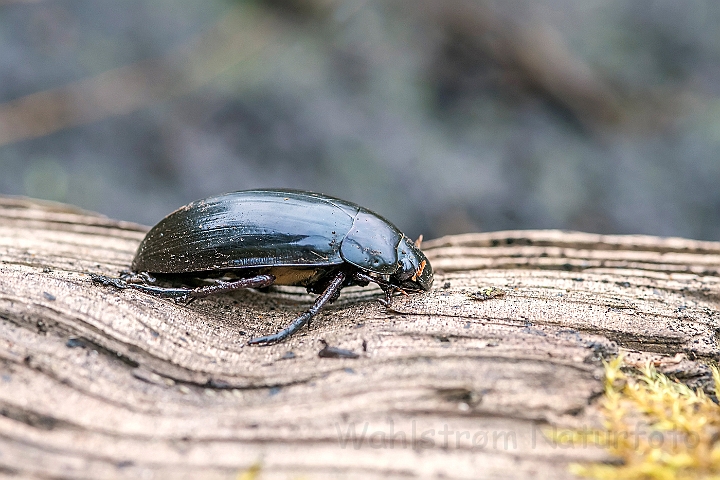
[[100, 383]]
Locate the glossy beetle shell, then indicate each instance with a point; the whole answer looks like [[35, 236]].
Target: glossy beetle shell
[[274, 228]]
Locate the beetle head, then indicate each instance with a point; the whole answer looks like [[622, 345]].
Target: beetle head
[[414, 271]]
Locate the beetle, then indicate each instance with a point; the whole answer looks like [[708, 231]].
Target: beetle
[[258, 238]]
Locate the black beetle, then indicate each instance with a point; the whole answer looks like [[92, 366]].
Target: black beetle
[[258, 238]]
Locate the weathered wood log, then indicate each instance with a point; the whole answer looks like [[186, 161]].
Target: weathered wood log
[[101, 383]]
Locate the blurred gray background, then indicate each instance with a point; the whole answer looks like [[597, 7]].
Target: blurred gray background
[[445, 116]]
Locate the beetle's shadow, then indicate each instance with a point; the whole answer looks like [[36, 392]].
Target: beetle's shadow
[[348, 295], [250, 312]]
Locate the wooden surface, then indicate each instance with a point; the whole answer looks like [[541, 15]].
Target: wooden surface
[[99, 383]]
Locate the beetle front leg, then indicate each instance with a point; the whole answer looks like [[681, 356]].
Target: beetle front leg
[[387, 288], [330, 294]]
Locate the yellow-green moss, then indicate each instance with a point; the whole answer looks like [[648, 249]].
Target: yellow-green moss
[[658, 428], [252, 472]]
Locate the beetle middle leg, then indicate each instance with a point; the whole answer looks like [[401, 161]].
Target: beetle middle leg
[[185, 294], [331, 292]]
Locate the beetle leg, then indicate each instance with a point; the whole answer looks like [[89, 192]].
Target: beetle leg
[[330, 294], [189, 294], [389, 292], [257, 281], [365, 279], [387, 288], [109, 281]]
